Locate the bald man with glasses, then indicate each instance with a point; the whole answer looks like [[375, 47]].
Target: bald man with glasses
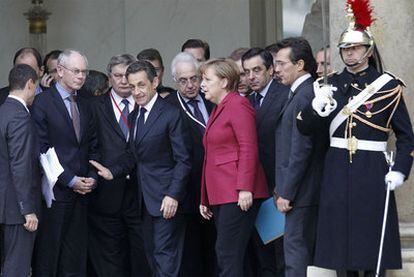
[[65, 122]]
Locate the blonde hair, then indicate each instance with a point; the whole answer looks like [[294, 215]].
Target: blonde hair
[[224, 69]]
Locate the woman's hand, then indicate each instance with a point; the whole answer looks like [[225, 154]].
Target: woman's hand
[[205, 212], [245, 200]]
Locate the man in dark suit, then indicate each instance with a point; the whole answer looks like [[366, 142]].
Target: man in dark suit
[[66, 123], [116, 246], [19, 172], [198, 256], [298, 161], [159, 148], [268, 98], [29, 56]]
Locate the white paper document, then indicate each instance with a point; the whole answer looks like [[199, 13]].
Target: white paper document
[[52, 169]]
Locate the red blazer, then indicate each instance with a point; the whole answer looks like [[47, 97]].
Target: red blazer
[[231, 161]]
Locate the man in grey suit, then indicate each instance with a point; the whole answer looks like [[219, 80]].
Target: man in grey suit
[[19, 172], [298, 160]]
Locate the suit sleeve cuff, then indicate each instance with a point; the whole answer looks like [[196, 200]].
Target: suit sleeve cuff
[[72, 182]]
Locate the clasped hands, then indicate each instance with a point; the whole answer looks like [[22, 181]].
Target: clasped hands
[[84, 185]]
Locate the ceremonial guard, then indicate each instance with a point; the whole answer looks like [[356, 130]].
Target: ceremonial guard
[[361, 107]]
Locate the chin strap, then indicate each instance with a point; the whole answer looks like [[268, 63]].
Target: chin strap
[[369, 51]]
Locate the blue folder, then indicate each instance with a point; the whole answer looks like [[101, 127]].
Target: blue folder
[[270, 223]]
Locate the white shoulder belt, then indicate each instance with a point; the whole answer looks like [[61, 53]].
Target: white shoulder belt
[[357, 101]]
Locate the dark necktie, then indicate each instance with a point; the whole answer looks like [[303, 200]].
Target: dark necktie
[[75, 116], [140, 123], [257, 99], [197, 113], [123, 119]]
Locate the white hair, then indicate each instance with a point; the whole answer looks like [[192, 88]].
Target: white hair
[[183, 57], [64, 56]]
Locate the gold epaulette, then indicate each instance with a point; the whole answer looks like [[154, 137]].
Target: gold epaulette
[[401, 81]]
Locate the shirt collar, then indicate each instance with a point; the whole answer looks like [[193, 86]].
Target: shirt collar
[[63, 92], [299, 81], [263, 92], [38, 90], [118, 99], [198, 97], [20, 100], [150, 104]]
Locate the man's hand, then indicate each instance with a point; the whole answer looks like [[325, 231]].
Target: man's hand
[[84, 185], [245, 200], [283, 205], [205, 212], [169, 207], [102, 171], [31, 222], [46, 80]]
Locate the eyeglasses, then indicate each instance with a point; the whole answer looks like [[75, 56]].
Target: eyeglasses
[[281, 63], [76, 71], [184, 81], [118, 75]]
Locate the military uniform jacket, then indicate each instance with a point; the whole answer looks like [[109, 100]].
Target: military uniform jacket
[[353, 193]]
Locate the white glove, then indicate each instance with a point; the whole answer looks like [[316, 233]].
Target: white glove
[[395, 179], [323, 103]]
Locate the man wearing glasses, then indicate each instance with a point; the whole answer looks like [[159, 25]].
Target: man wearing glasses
[[198, 256], [65, 123], [268, 98]]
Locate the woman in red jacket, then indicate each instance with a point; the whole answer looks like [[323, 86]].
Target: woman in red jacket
[[233, 180]]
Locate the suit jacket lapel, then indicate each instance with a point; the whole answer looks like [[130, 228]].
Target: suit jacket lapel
[[303, 84], [109, 114]]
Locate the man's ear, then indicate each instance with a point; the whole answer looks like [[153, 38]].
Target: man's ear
[[155, 82], [300, 64], [30, 84], [41, 71]]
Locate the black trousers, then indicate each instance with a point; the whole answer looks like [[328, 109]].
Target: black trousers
[[199, 258], [18, 248], [234, 228], [60, 247], [115, 242], [164, 243], [264, 260]]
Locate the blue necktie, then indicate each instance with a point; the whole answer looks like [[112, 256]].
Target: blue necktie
[[197, 113], [122, 122], [140, 123], [257, 99]]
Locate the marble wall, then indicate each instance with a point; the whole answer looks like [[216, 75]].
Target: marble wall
[[103, 28]]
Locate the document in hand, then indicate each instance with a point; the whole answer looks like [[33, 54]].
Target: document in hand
[[270, 223], [52, 169]]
